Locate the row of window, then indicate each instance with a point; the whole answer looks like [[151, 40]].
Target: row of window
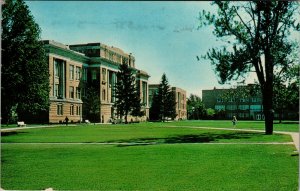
[[241, 107], [60, 110], [242, 100], [79, 72], [72, 94]]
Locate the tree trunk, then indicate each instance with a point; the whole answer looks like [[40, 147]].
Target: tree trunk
[[268, 111]]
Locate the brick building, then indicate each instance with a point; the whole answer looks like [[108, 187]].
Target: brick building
[[230, 102], [180, 99], [72, 68]]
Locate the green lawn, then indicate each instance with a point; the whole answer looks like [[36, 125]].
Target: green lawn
[[140, 133], [289, 126], [177, 160]]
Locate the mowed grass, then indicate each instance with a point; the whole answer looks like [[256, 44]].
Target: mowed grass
[[175, 159], [135, 133], [288, 126], [151, 167]]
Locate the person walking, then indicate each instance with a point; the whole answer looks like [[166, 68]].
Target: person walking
[[66, 120], [234, 120]]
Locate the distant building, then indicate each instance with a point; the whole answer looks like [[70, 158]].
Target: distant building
[[234, 102], [73, 67], [181, 104], [180, 99]]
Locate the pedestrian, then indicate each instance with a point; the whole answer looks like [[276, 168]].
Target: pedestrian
[[234, 120], [66, 120]]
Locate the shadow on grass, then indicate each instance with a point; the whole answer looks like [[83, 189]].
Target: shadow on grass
[[191, 138], [8, 133]]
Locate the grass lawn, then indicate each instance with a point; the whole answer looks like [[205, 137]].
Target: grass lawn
[[140, 133], [289, 126], [177, 162]]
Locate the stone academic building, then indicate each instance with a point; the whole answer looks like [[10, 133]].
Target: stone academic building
[[74, 68]]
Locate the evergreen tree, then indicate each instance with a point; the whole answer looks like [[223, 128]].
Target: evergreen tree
[[25, 73], [127, 98], [155, 107], [136, 109], [256, 33], [163, 104]]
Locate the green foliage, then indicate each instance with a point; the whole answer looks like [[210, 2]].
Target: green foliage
[[25, 76], [91, 104], [257, 37], [163, 104], [127, 95], [210, 112], [195, 107]]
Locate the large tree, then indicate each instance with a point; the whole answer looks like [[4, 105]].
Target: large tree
[[195, 107], [256, 35], [163, 103], [25, 73], [127, 99]]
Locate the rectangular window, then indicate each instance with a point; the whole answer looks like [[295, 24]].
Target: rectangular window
[[84, 74], [56, 68], [231, 107], [256, 107], [219, 107], [103, 74], [103, 95], [71, 92], [72, 110], [60, 109], [78, 93], [144, 86], [78, 73], [94, 75], [71, 75], [243, 107], [78, 110], [56, 90]]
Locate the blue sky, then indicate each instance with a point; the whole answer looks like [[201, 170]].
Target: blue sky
[[163, 36]]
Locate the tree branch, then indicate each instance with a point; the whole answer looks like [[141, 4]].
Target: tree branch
[[248, 29]]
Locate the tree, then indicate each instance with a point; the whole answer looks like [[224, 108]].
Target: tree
[[195, 107], [210, 112], [91, 104], [137, 109], [127, 98], [154, 111], [286, 92], [258, 34], [163, 104], [25, 76]]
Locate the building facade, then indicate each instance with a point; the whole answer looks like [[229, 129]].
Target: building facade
[[234, 102], [180, 99], [76, 68]]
